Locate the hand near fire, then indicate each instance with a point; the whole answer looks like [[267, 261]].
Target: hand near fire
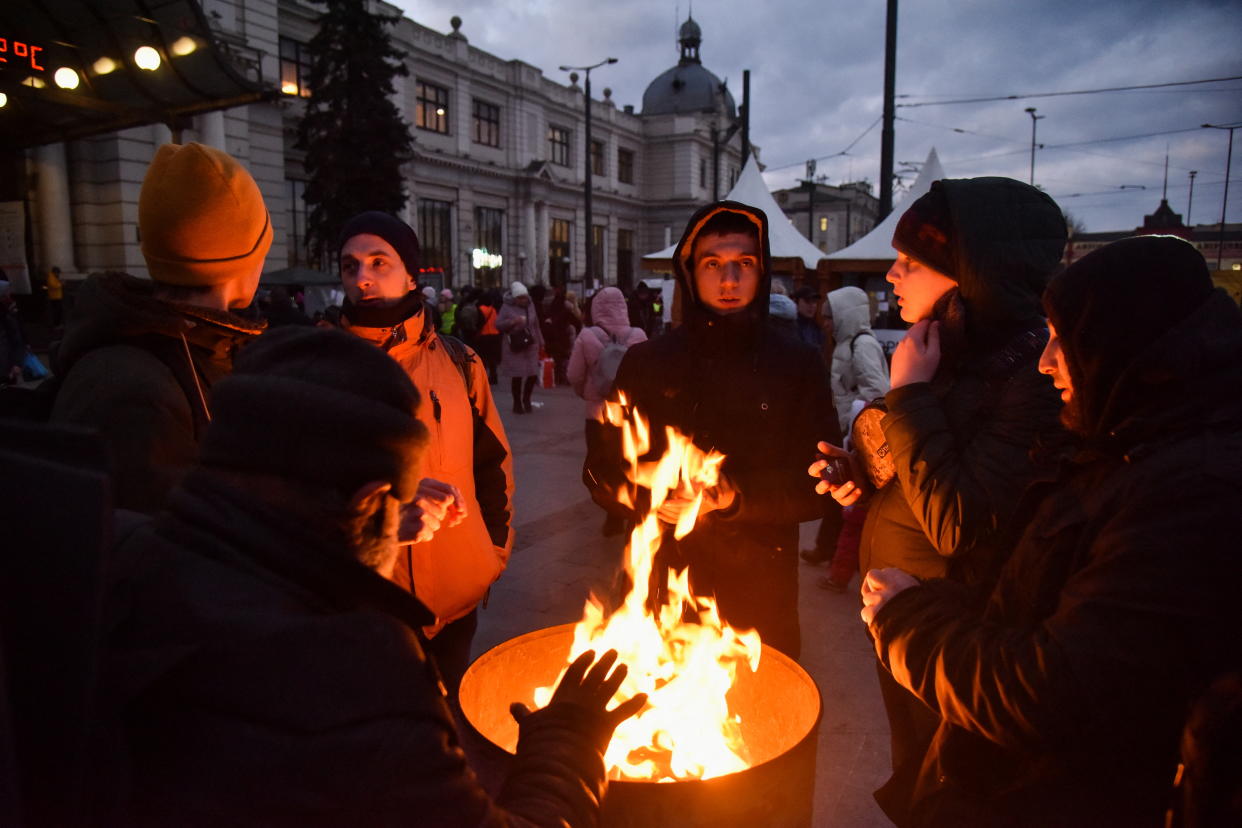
[[717, 497], [917, 355], [837, 470], [878, 588], [590, 691], [436, 505]]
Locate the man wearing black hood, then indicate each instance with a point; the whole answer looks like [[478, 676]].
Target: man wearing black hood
[[1062, 699], [758, 398]]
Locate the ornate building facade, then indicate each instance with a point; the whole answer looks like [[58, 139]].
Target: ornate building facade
[[495, 183]]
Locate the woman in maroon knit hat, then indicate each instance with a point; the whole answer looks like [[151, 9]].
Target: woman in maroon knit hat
[[966, 407]]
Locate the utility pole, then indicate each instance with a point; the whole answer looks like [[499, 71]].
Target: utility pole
[[810, 200], [890, 111], [590, 160], [1190, 202], [1030, 110], [745, 116], [1220, 250]]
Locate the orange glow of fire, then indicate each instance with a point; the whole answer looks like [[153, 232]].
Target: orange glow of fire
[[685, 667]]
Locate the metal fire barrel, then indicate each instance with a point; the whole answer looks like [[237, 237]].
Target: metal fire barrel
[[779, 705]]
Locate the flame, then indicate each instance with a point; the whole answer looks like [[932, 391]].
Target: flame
[[682, 656]]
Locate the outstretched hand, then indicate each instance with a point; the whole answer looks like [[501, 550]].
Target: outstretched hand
[[847, 492], [717, 497], [591, 690], [917, 355], [879, 586], [436, 505]]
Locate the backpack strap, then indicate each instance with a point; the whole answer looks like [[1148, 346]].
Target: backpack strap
[[607, 336], [855, 339], [463, 358]]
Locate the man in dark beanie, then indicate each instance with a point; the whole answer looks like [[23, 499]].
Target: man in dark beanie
[[1063, 694], [452, 572], [951, 443], [264, 672]]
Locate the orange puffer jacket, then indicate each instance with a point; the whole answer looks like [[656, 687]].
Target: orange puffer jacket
[[469, 449]]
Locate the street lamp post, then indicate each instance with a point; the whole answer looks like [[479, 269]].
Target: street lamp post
[[1220, 250], [1030, 110], [588, 184]]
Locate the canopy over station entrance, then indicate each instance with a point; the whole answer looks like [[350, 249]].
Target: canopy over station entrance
[[74, 68]]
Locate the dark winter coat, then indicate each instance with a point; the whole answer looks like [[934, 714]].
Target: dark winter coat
[[962, 443], [523, 363], [140, 370], [264, 678], [1063, 702], [763, 401]]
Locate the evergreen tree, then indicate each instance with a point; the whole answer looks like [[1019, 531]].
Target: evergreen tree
[[354, 137]]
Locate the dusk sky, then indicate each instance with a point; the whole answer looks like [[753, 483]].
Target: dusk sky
[[817, 85]]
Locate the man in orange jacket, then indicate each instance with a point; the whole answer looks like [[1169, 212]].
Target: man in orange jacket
[[468, 449]]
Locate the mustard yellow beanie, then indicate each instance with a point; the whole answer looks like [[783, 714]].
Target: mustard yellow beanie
[[201, 217]]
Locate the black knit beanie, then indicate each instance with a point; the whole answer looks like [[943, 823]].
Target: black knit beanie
[[389, 228], [1113, 304], [318, 405], [925, 232]]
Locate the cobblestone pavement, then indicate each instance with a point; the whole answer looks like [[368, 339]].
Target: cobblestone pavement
[[560, 556]]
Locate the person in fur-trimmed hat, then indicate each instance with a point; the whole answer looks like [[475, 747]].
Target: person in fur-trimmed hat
[[140, 356]]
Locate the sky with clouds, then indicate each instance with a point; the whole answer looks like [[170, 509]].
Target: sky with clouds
[[817, 84]]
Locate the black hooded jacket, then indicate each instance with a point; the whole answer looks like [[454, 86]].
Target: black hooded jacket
[[140, 370], [262, 677], [1063, 699], [762, 400], [962, 443]]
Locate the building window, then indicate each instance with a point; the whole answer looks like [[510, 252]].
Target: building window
[[431, 111], [597, 158], [297, 223], [558, 145], [294, 68], [486, 257], [625, 166], [486, 123], [558, 251], [732, 177], [597, 253], [702, 172], [823, 224], [625, 259], [435, 233]]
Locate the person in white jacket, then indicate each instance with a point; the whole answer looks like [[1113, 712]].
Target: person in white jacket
[[859, 375], [610, 324], [859, 369]]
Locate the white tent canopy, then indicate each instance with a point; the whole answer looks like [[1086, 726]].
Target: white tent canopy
[[878, 244], [785, 240]]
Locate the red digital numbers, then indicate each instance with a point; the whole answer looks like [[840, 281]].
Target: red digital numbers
[[26, 51]]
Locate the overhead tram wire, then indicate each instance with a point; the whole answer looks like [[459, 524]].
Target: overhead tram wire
[[993, 98], [845, 151]]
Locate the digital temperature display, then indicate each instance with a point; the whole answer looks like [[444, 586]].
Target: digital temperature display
[[20, 53]]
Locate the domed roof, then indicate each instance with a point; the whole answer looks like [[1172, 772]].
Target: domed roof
[[688, 87]]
